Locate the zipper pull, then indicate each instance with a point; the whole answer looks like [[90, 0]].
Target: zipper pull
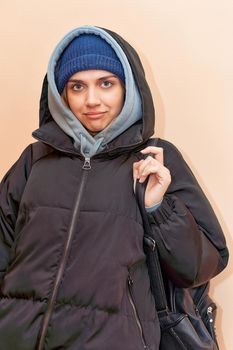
[[130, 280], [197, 312], [87, 163]]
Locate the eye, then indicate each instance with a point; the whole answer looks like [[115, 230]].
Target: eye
[[77, 87], [106, 84]]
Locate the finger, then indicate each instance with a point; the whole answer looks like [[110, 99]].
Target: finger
[[136, 166], [149, 161], [156, 151], [162, 173], [148, 170]]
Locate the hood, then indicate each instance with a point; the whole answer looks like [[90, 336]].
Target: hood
[[134, 124]]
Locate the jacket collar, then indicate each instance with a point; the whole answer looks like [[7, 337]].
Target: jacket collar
[[52, 135]]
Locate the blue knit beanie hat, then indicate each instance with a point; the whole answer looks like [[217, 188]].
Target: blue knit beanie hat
[[85, 52]]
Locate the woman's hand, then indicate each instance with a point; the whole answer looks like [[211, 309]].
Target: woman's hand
[[159, 175]]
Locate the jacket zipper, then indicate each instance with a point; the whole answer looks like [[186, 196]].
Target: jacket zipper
[[48, 313], [129, 290]]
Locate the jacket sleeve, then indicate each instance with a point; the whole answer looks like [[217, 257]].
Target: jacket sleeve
[[191, 243], [11, 190]]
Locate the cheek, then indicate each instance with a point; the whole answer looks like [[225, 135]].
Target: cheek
[[118, 101], [74, 104]]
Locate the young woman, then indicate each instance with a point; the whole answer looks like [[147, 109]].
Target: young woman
[[73, 271]]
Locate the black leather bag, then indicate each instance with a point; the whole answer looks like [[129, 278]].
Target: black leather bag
[[186, 316]]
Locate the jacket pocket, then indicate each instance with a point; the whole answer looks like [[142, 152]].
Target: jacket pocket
[[130, 293], [140, 299]]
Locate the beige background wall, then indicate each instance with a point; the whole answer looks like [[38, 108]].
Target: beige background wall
[[186, 47]]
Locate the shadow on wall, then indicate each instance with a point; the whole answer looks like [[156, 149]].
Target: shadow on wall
[[228, 272], [160, 120]]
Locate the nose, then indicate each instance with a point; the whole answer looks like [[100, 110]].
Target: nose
[[92, 97]]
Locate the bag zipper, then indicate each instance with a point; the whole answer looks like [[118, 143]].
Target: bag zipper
[[48, 313], [129, 291], [210, 317]]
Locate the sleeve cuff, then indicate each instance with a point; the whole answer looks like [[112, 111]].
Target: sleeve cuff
[[154, 207], [163, 212]]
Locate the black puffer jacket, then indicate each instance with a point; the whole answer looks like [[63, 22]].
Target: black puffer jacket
[[72, 266]]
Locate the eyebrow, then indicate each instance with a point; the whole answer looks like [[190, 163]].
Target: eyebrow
[[101, 78]]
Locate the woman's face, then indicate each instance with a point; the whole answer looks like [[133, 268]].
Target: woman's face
[[95, 97]]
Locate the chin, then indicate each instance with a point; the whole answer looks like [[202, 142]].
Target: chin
[[93, 130]]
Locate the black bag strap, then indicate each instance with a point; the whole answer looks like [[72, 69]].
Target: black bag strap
[[159, 289]]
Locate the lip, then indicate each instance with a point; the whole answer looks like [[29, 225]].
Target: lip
[[94, 114]]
